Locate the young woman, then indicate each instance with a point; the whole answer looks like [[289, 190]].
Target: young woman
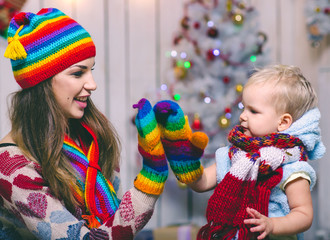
[[59, 164]]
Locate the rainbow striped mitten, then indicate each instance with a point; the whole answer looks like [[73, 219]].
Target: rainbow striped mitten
[[153, 175], [182, 147]]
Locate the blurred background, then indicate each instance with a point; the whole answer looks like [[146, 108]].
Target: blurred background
[[198, 53]]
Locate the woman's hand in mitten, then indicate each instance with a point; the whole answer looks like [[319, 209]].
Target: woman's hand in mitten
[[153, 175]]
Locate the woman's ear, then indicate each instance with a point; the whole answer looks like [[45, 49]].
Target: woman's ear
[[284, 122]]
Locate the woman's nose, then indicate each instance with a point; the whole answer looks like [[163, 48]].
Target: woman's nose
[[90, 84]]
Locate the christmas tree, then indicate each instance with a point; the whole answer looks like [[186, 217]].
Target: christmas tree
[[215, 50]]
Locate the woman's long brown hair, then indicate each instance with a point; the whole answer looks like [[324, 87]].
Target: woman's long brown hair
[[38, 129]]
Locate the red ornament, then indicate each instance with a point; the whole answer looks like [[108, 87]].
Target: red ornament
[[226, 79], [197, 124], [227, 110], [210, 55], [197, 25]]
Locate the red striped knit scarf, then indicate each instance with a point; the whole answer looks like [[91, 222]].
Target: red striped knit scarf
[[248, 187], [93, 190]]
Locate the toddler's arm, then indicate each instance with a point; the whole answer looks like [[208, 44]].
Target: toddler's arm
[[207, 181], [298, 220]]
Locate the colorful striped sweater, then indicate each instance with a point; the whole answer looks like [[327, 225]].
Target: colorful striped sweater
[[29, 211]]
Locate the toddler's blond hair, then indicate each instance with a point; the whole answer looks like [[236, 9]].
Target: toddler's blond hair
[[292, 94]]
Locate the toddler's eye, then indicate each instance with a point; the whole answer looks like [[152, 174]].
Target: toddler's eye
[[253, 111]]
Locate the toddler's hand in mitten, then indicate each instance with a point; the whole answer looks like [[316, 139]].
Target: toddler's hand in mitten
[[182, 147], [153, 175]]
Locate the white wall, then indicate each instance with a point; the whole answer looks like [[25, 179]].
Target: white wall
[[132, 37]]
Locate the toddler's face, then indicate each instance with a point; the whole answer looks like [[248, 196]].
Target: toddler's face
[[259, 117]]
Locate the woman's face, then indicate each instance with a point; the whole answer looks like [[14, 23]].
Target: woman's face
[[73, 86]]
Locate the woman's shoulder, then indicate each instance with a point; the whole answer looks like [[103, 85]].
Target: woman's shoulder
[[12, 159]]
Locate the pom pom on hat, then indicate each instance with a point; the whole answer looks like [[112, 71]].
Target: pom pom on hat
[[21, 18], [44, 44]]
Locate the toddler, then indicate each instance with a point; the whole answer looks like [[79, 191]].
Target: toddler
[[262, 180]]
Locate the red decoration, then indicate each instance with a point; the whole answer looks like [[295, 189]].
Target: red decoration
[[197, 25], [227, 110], [226, 79], [197, 124], [210, 55]]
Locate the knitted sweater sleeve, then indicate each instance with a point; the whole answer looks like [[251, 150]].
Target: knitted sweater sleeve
[[27, 200]]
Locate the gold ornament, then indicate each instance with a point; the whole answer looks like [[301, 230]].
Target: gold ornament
[[224, 122], [239, 88], [180, 72], [238, 19]]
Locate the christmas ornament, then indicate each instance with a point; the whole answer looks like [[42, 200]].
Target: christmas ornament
[[180, 72], [210, 55], [226, 79], [212, 32], [197, 25], [239, 88], [238, 19], [224, 122], [196, 124], [227, 110]]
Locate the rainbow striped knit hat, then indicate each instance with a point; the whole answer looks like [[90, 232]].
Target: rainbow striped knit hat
[[44, 44]]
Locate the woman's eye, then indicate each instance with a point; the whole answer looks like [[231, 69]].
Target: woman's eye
[[77, 74]]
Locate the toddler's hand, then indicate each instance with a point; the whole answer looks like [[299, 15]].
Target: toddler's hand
[[261, 223], [183, 148]]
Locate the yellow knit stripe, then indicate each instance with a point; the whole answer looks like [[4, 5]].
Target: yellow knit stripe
[[190, 177], [150, 141], [52, 57], [180, 134], [146, 185]]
